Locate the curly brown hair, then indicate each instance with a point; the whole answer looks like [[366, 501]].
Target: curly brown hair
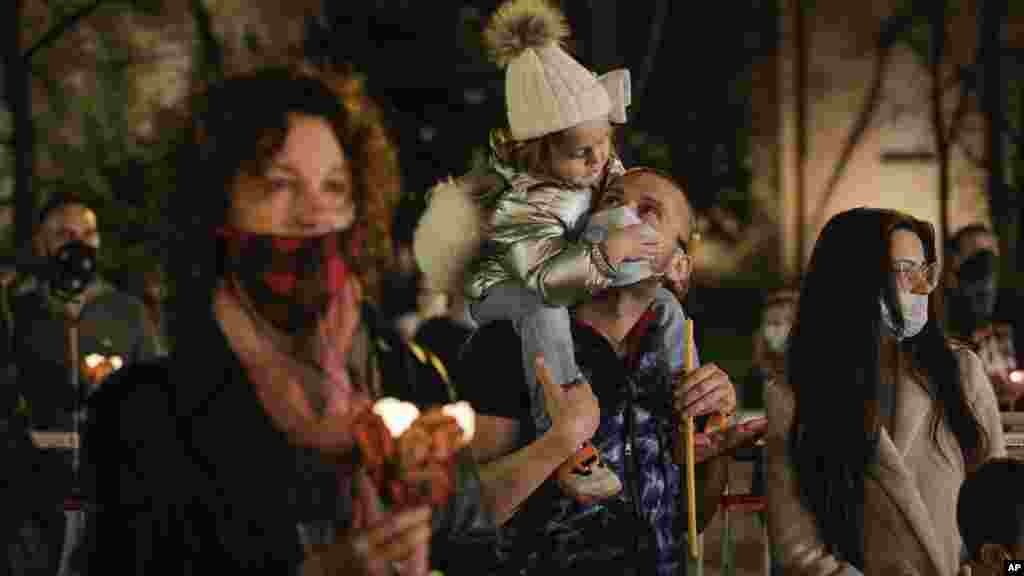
[[239, 124], [375, 166]]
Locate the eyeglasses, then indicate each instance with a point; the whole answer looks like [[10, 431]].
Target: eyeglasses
[[910, 274]]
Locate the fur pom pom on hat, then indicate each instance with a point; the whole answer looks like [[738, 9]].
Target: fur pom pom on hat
[[546, 90], [448, 235], [524, 24]]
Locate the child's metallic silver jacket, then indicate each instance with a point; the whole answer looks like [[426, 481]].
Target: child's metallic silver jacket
[[532, 233]]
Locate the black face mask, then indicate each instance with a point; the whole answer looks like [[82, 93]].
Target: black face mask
[[974, 301], [72, 269]]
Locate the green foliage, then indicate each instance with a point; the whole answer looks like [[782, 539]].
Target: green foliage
[[107, 166], [919, 35], [919, 39], [149, 7], [252, 42]]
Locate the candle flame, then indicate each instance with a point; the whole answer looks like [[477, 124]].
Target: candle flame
[[94, 360], [398, 416], [464, 416], [116, 362]]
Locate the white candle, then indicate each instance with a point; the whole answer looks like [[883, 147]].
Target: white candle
[[464, 416], [398, 416], [94, 360]]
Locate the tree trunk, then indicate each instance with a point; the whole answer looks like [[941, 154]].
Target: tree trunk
[[938, 51], [1003, 217], [800, 85], [18, 96]]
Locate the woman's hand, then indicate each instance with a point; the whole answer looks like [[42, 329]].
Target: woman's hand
[[575, 413], [425, 455], [379, 544]]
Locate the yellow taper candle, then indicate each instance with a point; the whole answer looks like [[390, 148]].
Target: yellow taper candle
[[688, 430]]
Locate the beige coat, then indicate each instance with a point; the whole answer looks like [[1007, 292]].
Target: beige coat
[[910, 498]]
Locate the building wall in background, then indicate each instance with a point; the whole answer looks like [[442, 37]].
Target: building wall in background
[[841, 56]]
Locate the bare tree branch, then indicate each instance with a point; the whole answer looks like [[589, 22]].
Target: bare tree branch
[[965, 79], [938, 55], [976, 160], [57, 31], [892, 30]]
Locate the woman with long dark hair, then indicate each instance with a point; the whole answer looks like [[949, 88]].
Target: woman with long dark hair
[[878, 417]]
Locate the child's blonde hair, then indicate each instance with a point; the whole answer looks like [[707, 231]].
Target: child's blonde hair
[[531, 156]]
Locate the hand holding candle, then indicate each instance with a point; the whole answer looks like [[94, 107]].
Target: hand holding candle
[[96, 367], [410, 456]]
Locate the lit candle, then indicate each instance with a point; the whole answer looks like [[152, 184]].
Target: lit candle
[[464, 416], [92, 361], [93, 368], [398, 416]]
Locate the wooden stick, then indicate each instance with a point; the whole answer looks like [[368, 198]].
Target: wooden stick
[[688, 431]]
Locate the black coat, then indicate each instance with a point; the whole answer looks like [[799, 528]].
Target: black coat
[[186, 482]]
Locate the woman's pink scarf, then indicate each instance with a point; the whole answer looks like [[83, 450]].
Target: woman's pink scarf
[[289, 387]]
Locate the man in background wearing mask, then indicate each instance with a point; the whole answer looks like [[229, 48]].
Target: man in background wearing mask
[[972, 298], [37, 386], [110, 323]]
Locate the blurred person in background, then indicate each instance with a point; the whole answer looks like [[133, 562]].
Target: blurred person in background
[[111, 324], [982, 314], [769, 351]]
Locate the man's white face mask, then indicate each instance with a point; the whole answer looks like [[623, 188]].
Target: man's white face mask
[[600, 223]]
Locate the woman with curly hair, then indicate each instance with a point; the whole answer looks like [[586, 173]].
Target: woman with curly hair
[[237, 452]]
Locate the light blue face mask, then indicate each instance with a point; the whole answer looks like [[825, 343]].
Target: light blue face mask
[[600, 223], [913, 308]]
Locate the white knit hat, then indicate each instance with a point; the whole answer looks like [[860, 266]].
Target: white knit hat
[[546, 90]]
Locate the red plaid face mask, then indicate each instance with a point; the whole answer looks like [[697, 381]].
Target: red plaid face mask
[[290, 280]]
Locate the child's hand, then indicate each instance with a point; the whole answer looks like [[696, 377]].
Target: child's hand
[[632, 243]]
